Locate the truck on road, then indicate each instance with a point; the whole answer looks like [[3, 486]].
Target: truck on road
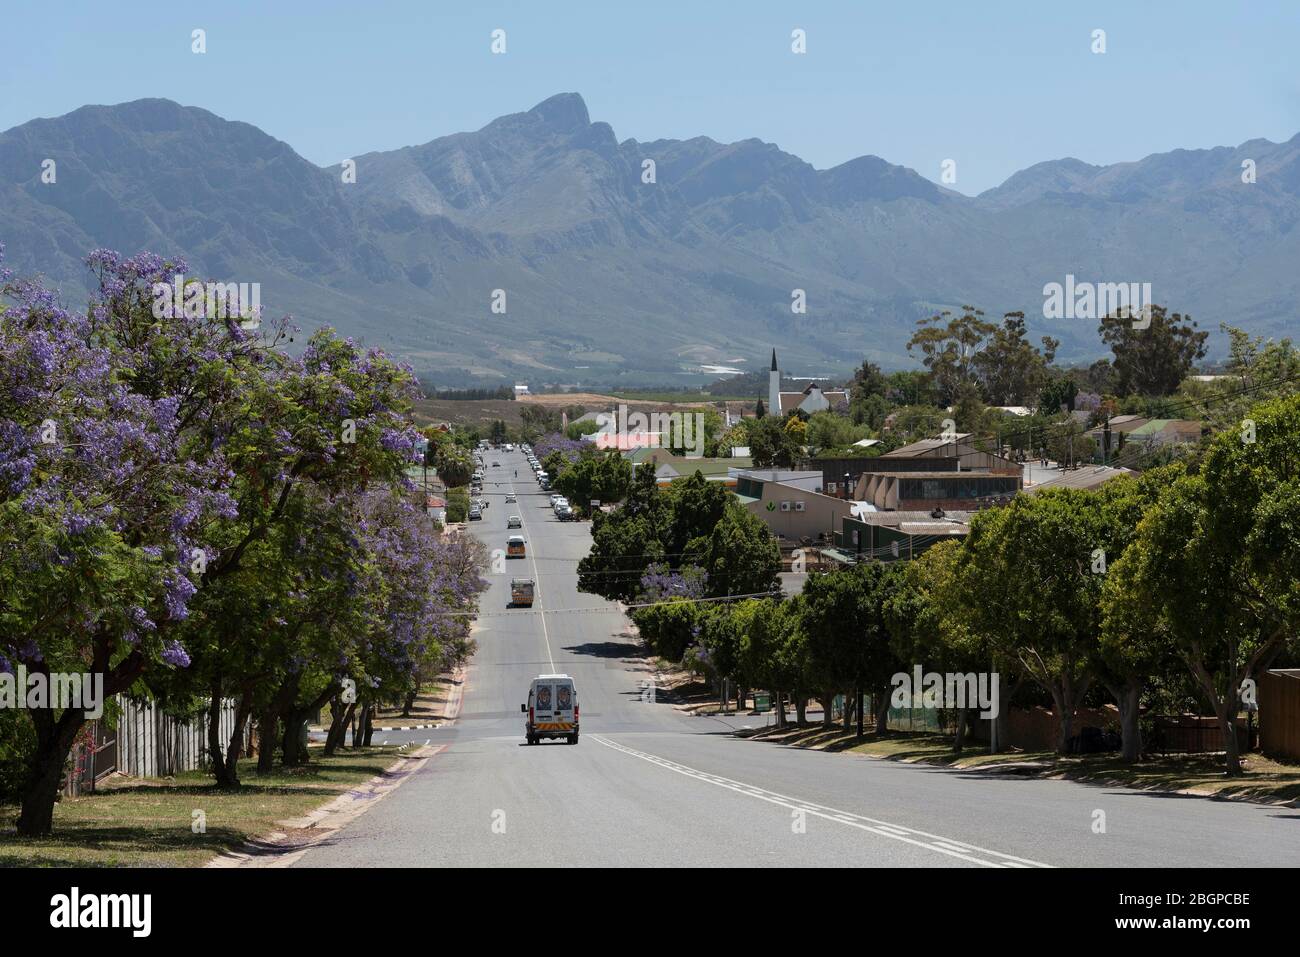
[[521, 592]]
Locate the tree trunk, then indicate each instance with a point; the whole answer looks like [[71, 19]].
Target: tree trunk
[[827, 698], [1128, 697], [54, 740], [291, 747], [368, 725], [1065, 719], [959, 740], [1000, 729], [779, 699], [800, 710], [1227, 715], [41, 790], [882, 712], [857, 708], [235, 746], [340, 719], [408, 704], [226, 773], [267, 724]]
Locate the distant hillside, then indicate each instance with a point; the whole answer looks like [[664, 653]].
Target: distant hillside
[[609, 280]]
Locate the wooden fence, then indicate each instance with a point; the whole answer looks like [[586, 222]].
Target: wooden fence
[[145, 743], [1279, 713]]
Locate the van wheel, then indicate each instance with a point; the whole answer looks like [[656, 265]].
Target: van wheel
[[532, 739], [573, 739]]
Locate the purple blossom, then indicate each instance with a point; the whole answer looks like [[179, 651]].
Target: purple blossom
[[175, 655]]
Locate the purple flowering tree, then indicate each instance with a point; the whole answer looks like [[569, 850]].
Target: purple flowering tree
[[661, 582], [158, 476]]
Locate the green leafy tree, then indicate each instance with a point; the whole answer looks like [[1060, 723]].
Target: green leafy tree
[[668, 627], [1010, 369], [1027, 578], [928, 625], [770, 445], [454, 463], [843, 621], [1152, 356], [1134, 652], [949, 345], [743, 556], [1215, 564]]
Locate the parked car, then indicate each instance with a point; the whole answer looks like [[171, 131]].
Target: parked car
[[565, 514]]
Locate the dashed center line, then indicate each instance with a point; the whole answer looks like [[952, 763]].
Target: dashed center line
[[931, 842]]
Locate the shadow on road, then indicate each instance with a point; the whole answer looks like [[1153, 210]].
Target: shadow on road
[[608, 649]]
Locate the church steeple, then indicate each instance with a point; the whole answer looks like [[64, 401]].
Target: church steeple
[[774, 389]]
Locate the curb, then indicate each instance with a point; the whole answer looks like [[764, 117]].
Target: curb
[[282, 849]]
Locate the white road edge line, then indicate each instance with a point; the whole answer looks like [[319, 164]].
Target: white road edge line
[[935, 842]]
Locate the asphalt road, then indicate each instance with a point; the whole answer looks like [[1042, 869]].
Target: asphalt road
[[650, 786]]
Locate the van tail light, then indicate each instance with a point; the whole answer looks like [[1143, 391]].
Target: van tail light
[[575, 712], [530, 714]]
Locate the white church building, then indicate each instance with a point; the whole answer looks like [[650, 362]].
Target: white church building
[[811, 399]]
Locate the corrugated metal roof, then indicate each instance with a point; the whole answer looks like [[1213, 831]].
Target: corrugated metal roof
[[1089, 476]]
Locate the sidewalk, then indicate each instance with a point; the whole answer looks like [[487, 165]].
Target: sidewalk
[[435, 706]]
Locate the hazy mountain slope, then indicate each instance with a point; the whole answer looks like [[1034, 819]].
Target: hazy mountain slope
[[609, 278]]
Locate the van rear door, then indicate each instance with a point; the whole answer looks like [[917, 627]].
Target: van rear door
[[543, 704], [565, 701]]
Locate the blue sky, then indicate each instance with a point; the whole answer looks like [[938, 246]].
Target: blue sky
[[995, 85]]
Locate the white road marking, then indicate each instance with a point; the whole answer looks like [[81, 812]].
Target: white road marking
[[931, 842], [537, 577]]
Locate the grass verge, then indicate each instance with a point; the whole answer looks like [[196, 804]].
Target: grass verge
[[132, 822], [1265, 780]]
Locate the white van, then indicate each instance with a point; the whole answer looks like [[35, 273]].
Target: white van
[[552, 709]]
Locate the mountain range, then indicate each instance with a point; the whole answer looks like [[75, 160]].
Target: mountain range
[[609, 279]]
